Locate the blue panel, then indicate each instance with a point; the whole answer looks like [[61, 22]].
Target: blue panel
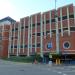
[[49, 45]]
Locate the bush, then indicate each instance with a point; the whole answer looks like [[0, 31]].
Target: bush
[[37, 57], [21, 59]]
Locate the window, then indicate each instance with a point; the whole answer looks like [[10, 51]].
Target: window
[[33, 34], [38, 24], [38, 45], [12, 38], [33, 25], [59, 30], [25, 46], [33, 45], [66, 45], [53, 20], [21, 46], [16, 29], [12, 29], [11, 46], [22, 27], [72, 28], [58, 18], [47, 21], [43, 22], [38, 34], [71, 16], [15, 46], [53, 31], [64, 17], [26, 26], [65, 29], [47, 32], [43, 33]]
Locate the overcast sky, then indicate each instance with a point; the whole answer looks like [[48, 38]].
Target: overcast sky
[[21, 8]]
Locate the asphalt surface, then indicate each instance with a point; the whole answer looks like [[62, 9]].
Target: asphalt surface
[[15, 68]]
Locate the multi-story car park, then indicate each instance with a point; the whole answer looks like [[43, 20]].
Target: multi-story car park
[[44, 34]]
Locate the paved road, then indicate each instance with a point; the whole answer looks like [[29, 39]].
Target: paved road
[[13, 68]]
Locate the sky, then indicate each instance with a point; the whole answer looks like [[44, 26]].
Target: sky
[[21, 8]]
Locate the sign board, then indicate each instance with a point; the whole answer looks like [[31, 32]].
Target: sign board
[[49, 45]]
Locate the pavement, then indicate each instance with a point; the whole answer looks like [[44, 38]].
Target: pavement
[[15, 68]]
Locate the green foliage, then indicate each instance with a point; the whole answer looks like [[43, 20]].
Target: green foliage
[[56, 55], [26, 59], [37, 57], [21, 59]]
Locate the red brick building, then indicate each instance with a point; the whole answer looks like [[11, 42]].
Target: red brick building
[[5, 24], [4, 40], [44, 34]]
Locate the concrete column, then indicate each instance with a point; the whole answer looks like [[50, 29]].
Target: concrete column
[[61, 22], [35, 33], [24, 36], [50, 26], [68, 21], [41, 51], [19, 37], [57, 35], [13, 38], [31, 34], [45, 25], [18, 42], [10, 38], [28, 38]]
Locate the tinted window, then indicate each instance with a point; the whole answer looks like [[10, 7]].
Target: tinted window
[[22, 27], [15, 46], [38, 34], [64, 17], [33, 34], [53, 31], [71, 16], [33, 45], [16, 28], [38, 24], [47, 21], [12, 29], [72, 28], [47, 32], [38, 45], [53, 20], [26, 26], [58, 18], [21, 46], [33, 25], [11, 46], [25, 46]]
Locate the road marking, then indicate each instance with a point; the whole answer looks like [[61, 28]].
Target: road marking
[[69, 71], [59, 72], [64, 74]]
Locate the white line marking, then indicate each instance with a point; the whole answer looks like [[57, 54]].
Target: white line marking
[[59, 72], [64, 74]]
